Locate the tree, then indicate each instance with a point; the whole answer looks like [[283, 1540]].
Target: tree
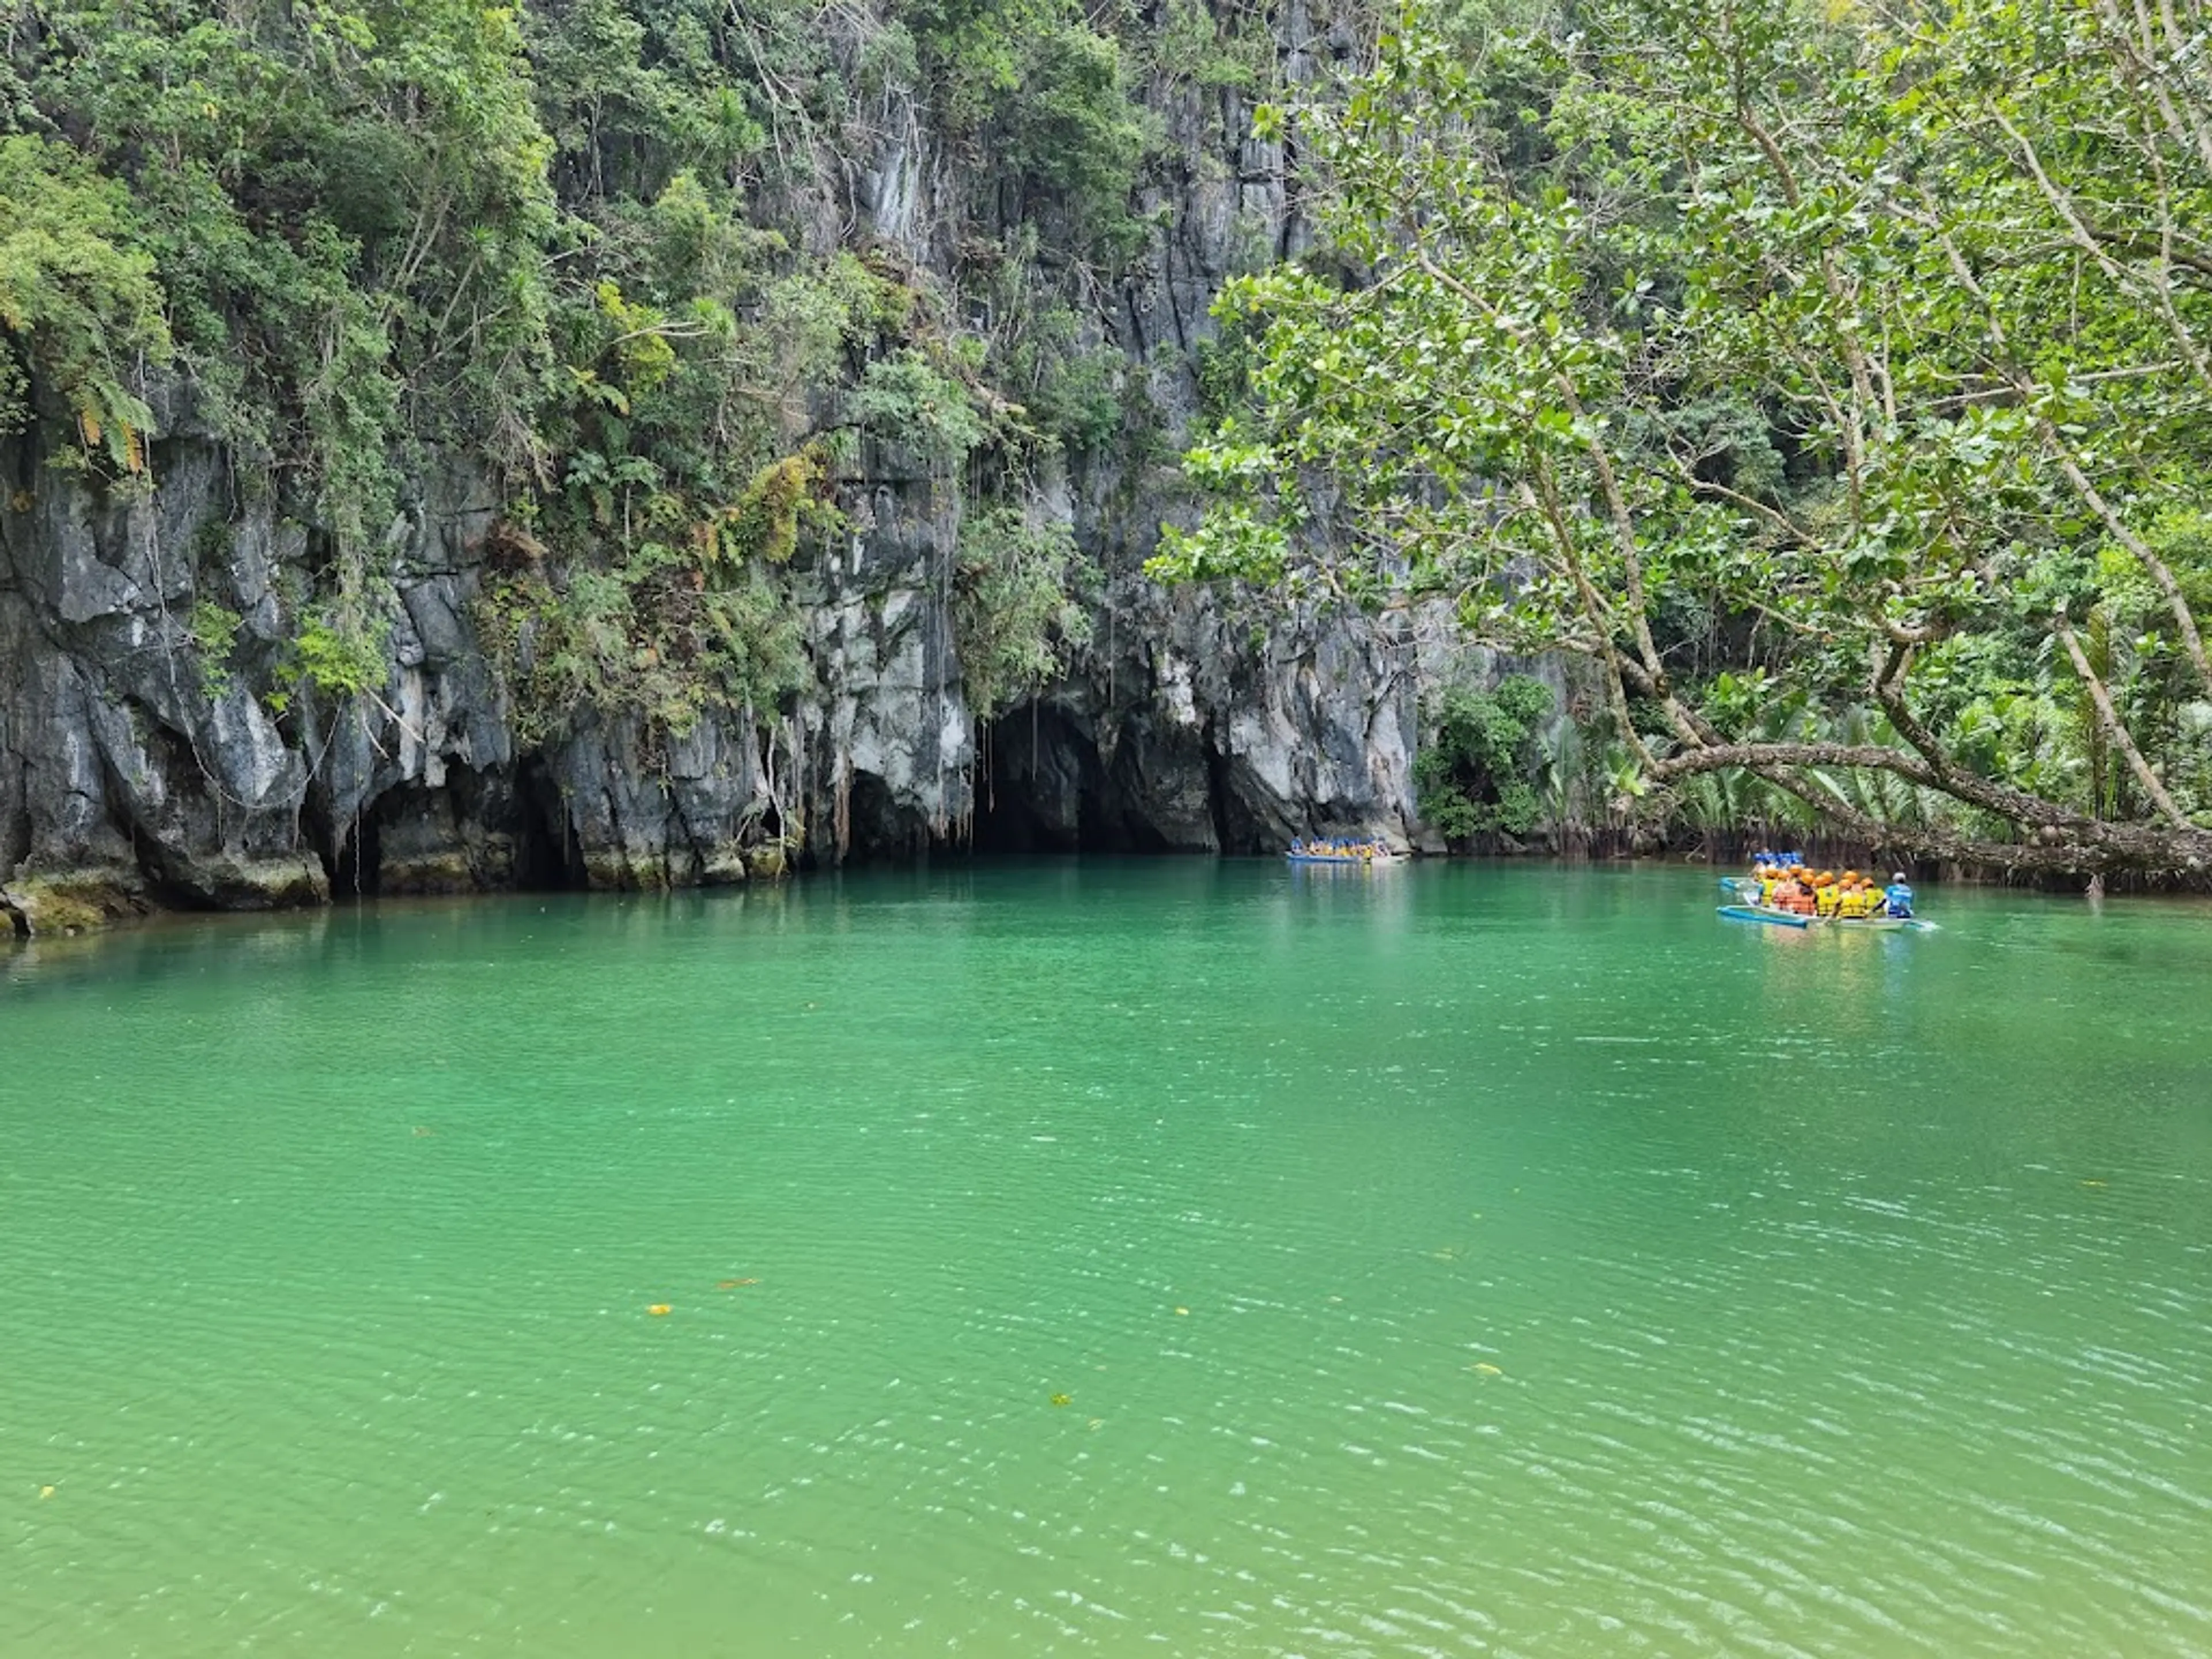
[[1859, 357]]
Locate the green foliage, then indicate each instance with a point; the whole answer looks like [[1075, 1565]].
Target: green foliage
[[1235, 50], [578, 243], [78, 303], [1075, 134], [630, 101], [337, 654], [1033, 84], [767, 518], [1767, 347], [344, 217], [1016, 613], [1476, 776], [215, 631], [659, 639], [1223, 367], [905, 399], [1079, 401]]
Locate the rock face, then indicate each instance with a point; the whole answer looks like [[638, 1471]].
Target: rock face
[[1187, 733], [125, 775], [143, 764]]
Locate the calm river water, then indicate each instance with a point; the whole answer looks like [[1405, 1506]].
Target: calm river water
[[1111, 1258]]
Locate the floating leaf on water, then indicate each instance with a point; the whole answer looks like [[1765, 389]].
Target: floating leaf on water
[[1486, 1367], [734, 1284], [658, 1307], [1184, 1311], [1063, 1400], [48, 1491]]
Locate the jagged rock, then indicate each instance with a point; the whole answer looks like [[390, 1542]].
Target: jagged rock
[[134, 773]]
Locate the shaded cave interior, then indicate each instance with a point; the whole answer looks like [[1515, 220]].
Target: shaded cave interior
[[1047, 784], [474, 830], [1044, 785]]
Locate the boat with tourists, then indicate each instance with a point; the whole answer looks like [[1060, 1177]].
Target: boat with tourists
[[1781, 891], [1345, 854]]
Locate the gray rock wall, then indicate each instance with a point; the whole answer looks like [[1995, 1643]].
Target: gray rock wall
[[135, 773]]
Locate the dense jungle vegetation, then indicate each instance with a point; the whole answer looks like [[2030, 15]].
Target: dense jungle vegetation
[[594, 247], [1835, 381]]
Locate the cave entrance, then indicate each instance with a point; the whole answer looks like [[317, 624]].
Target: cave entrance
[[878, 829], [1011, 813], [1044, 788], [349, 849], [354, 860], [548, 858]]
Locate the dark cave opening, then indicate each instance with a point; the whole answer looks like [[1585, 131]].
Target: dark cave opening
[[349, 849], [1044, 788], [547, 857], [353, 857], [878, 830]]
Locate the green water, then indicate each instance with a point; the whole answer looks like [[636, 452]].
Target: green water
[[1567, 1273]]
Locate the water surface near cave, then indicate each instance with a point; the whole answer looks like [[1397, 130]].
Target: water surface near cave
[[1110, 1258]]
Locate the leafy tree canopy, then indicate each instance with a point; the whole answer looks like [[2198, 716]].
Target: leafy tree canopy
[[1838, 382]]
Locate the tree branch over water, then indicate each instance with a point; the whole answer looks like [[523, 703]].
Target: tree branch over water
[[1776, 364]]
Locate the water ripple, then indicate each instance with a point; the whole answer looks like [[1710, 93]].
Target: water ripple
[[1049, 1269]]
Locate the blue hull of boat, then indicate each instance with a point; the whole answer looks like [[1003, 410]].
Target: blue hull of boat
[[1841, 924], [1772, 918]]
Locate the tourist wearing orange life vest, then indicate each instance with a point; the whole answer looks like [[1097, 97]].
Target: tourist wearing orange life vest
[[1793, 892], [1821, 895]]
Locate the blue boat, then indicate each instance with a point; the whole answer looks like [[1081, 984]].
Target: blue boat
[[1347, 855], [1841, 924], [1877, 924]]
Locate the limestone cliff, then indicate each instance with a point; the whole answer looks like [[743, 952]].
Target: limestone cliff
[[138, 769]]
